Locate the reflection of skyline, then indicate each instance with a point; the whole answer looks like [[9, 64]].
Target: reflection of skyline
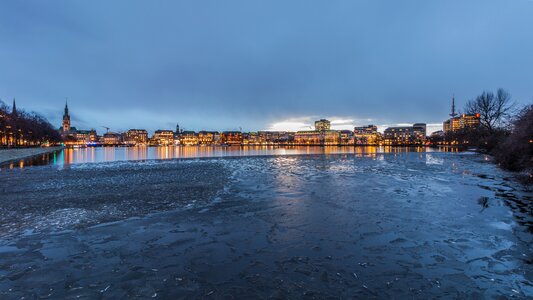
[[69, 156], [107, 154]]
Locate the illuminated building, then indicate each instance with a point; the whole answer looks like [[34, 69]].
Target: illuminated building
[[273, 137], [208, 137], [331, 137], [461, 122], [322, 125], [84, 137], [66, 121], [308, 137], [74, 137], [346, 137], [136, 137], [112, 139], [322, 135], [406, 135], [66, 129], [251, 138], [162, 138], [231, 137], [451, 125], [470, 120], [367, 135], [189, 138], [315, 137]]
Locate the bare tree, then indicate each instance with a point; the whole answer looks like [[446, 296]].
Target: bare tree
[[494, 109], [25, 129], [516, 152]]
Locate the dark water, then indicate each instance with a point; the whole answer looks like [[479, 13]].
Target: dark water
[[376, 225]]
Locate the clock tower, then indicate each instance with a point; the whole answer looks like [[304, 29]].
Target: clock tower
[[66, 120]]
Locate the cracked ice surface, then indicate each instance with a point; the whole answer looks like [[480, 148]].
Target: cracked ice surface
[[417, 225]]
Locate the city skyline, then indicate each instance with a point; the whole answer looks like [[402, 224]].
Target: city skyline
[[290, 125], [261, 65]]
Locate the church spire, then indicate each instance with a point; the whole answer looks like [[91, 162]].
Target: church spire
[[14, 112], [66, 120], [453, 114]]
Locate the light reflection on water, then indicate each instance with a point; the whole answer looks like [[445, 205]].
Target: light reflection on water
[[110, 154]]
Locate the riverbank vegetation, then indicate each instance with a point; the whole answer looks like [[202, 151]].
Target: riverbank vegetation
[[19, 128], [504, 131]]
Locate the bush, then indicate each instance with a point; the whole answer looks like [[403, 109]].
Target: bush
[[515, 153]]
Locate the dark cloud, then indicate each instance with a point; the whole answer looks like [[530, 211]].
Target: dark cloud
[[222, 65]]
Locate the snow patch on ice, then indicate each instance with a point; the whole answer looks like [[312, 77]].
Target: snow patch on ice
[[63, 218]]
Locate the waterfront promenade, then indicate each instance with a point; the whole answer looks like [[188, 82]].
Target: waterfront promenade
[[9, 155]]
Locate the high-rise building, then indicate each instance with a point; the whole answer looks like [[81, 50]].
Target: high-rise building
[[322, 125]]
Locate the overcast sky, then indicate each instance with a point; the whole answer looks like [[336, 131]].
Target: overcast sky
[[260, 64]]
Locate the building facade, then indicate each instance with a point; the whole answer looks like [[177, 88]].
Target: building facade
[[208, 137], [188, 138], [84, 137], [134, 137], [464, 121], [112, 139], [231, 138], [274, 137], [317, 138], [322, 135], [162, 138], [405, 135], [367, 135], [322, 125], [346, 137]]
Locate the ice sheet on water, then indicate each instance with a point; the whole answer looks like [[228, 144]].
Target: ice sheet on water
[[56, 199], [403, 226], [434, 159], [63, 218]]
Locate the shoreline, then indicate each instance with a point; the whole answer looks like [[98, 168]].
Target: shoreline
[[16, 154]]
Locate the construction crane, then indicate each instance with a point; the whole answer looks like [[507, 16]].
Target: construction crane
[[106, 129]]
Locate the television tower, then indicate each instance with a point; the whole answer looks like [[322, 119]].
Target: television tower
[[453, 114]]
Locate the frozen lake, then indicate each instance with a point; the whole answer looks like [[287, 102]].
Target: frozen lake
[[374, 224]]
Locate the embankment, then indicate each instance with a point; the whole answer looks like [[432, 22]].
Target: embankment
[[9, 155]]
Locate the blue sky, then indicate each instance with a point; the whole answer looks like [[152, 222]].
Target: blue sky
[[261, 64]]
